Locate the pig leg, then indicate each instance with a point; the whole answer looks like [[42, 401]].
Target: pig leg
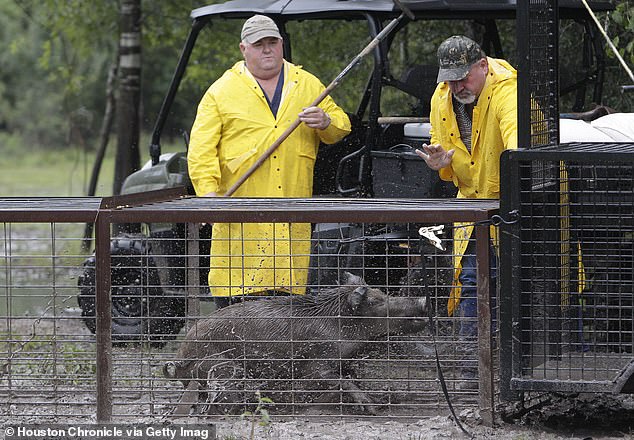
[[188, 398], [358, 396], [225, 381], [333, 380]]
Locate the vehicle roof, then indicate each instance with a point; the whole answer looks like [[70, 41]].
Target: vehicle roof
[[355, 8]]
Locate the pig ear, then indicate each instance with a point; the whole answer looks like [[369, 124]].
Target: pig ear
[[357, 297], [350, 279]]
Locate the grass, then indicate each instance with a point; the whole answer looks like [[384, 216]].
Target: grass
[[47, 360], [52, 172], [58, 171], [31, 171]]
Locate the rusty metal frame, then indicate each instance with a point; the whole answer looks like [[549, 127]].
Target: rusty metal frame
[[175, 206], [103, 316], [485, 335]]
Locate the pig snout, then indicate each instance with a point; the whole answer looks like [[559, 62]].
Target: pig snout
[[419, 308], [407, 314], [410, 307], [420, 305]]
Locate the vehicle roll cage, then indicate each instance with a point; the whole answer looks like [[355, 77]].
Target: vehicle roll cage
[[375, 14]]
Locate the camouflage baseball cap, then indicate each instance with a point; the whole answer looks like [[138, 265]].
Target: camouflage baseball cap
[[456, 55]]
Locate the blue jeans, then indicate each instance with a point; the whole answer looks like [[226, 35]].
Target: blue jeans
[[468, 307]]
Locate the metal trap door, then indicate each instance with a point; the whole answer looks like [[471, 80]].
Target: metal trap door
[[567, 298]]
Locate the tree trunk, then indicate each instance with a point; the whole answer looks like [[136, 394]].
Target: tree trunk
[[104, 132], [128, 103], [104, 138]]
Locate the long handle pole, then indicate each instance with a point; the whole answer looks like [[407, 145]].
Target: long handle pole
[[335, 82]]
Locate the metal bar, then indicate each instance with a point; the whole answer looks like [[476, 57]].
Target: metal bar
[[509, 279], [136, 199], [401, 120], [562, 386], [103, 318], [155, 144], [50, 209], [223, 209], [553, 54], [523, 76], [485, 354], [192, 276], [581, 152], [176, 216], [233, 209]]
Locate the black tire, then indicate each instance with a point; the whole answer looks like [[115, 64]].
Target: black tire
[[140, 309]]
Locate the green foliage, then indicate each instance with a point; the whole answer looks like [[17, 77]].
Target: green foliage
[[22, 79], [47, 361], [52, 84], [331, 55], [62, 171], [621, 29], [260, 415], [216, 50], [622, 20], [619, 26], [49, 84], [58, 52], [166, 25]]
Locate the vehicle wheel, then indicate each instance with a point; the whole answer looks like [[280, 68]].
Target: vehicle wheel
[[140, 309]]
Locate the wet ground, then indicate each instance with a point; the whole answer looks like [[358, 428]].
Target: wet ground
[[551, 417]]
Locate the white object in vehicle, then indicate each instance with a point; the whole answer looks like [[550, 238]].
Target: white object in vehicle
[[615, 127]]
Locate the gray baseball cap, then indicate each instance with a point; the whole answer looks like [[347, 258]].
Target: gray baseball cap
[[258, 27], [456, 55]]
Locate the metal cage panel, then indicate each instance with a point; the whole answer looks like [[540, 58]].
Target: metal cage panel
[[538, 85], [118, 318], [569, 302]]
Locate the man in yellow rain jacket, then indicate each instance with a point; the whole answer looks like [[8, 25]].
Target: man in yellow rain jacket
[[239, 117], [474, 119]]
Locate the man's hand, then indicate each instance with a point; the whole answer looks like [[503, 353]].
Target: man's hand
[[435, 156], [315, 118], [209, 194]]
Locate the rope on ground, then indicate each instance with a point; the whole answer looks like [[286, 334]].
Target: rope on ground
[[441, 377]]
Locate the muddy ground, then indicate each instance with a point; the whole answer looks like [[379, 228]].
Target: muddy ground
[[545, 416], [563, 418], [587, 416]]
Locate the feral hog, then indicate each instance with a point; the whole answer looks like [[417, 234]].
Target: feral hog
[[287, 345]]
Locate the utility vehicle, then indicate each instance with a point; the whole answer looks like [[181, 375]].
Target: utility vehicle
[[387, 96]]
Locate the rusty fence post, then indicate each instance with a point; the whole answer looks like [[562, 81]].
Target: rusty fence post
[[485, 353], [103, 316]]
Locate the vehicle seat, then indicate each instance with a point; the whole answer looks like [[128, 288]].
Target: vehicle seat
[[420, 81]]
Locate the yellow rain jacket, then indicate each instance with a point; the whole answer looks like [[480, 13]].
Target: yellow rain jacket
[[494, 129], [233, 127]]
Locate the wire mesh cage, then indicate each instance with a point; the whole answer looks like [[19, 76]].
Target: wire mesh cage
[[538, 86], [47, 356], [570, 280], [351, 338]]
